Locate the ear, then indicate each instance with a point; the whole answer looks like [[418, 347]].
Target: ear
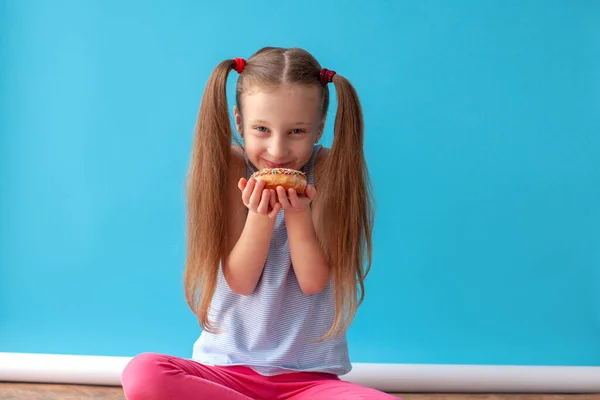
[[238, 120]]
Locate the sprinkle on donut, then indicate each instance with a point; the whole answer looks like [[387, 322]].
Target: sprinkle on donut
[[278, 171]]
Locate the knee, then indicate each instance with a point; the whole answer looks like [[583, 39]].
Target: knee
[[143, 378]]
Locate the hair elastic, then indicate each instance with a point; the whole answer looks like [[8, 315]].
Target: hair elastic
[[240, 63], [326, 76]]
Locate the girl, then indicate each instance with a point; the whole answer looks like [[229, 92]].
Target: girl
[[275, 278]]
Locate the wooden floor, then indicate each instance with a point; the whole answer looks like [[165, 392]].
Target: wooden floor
[[29, 391]]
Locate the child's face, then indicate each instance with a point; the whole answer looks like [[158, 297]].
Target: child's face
[[280, 125]]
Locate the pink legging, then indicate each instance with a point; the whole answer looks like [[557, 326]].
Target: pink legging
[[151, 376]]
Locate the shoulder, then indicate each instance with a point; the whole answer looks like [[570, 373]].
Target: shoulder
[[237, 163], [237, 211], [320, 158], [321, 155], [237, 154], [236, 171]]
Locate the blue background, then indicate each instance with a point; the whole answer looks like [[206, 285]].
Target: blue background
[[482, 137]]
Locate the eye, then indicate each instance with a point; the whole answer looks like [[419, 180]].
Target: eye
[[298, 130], [261, 128]]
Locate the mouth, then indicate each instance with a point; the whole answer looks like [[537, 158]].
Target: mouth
[[276, 165]]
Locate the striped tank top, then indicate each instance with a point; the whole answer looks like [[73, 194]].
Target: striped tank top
[[277, 328]]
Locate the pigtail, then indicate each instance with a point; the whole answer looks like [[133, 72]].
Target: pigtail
[[206, 191], [343, 182]]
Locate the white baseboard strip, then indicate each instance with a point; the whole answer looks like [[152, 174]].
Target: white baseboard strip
[[61, 368], [431, 378], [102, 370]]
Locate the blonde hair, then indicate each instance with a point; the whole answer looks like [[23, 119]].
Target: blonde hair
[[341, 179]]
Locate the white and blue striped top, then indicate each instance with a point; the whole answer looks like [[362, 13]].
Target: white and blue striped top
[[277, 328]]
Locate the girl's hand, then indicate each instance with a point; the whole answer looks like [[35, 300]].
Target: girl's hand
[[258, 199], [292, 202]]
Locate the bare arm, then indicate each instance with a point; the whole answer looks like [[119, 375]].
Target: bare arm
[[309, 262], [310, 266], [250, 226], [247, 258]]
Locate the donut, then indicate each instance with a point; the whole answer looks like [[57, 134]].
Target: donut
[[285, 177]]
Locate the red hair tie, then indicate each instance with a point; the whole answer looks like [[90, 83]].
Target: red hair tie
[[326, 76], [240, 63]]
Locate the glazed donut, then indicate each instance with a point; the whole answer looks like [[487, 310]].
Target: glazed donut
[[285, 177]]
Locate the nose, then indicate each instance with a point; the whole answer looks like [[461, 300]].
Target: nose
[[278, 148]]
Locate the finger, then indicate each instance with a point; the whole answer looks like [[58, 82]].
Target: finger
[[275, 210], [310, 192], [282, 196], [242, 183], [247, 192], [263, 206], [293, 196], [257, 194], [272, 197]]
